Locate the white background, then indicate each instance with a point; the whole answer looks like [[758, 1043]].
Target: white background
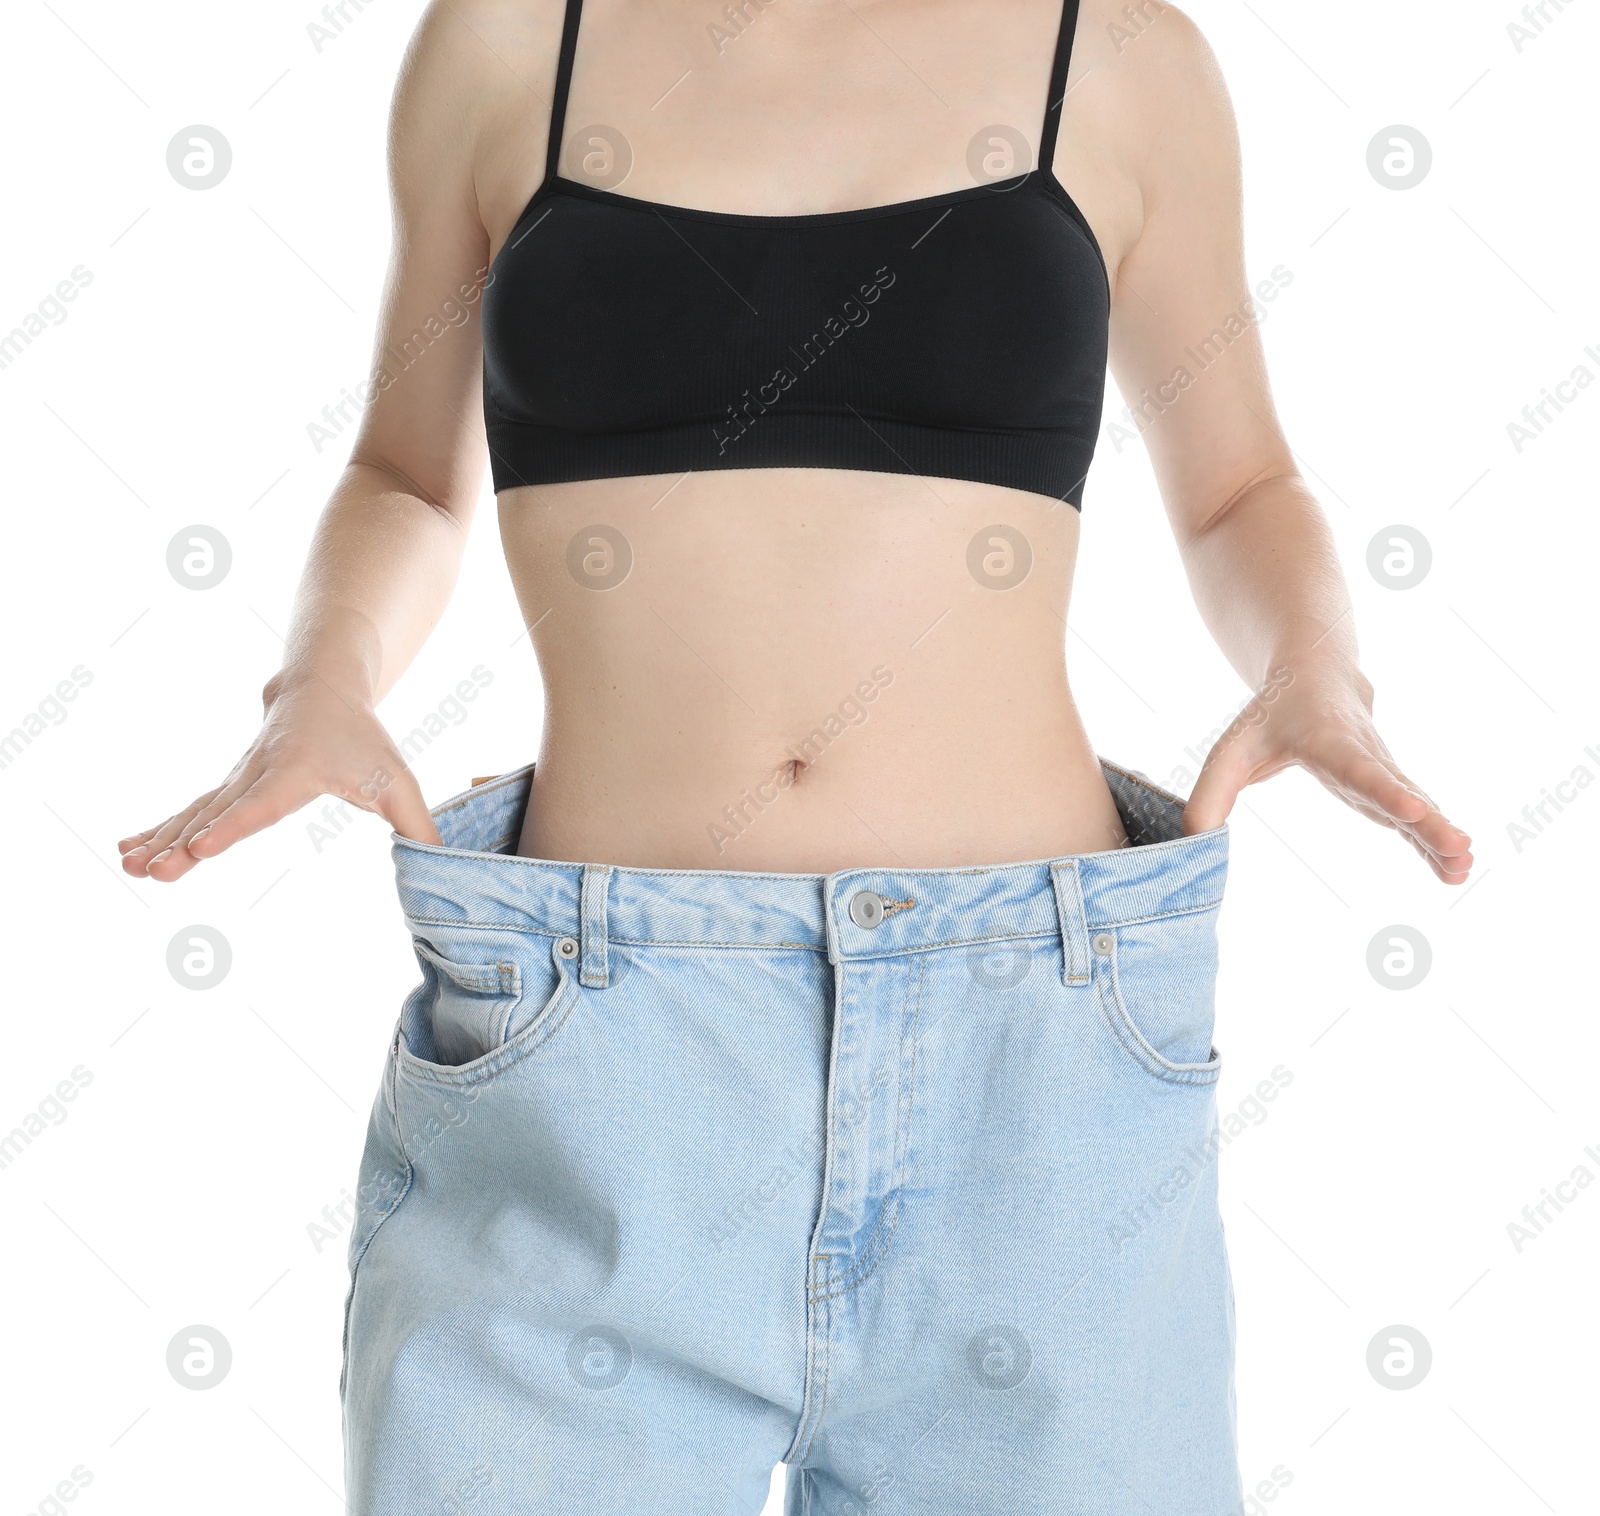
[[217, 1125]]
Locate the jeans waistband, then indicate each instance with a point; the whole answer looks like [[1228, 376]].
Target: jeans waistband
[[475, 879]]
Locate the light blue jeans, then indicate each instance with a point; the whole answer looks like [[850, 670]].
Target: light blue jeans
[[906, 1178]]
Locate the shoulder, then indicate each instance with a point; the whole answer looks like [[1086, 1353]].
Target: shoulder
[[476, 79], [1146, 69], [1158, 40], [461, 49], [1147, 115]]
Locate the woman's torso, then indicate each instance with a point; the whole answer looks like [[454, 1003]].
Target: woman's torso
[[803, 669]]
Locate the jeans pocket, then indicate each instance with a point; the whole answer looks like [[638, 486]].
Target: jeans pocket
[[1157, 983], [470, 1006], [468, 1020]]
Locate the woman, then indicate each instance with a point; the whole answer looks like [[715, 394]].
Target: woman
[[843, 1095]]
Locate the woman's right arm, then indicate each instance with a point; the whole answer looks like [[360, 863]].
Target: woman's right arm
[[388, 547]]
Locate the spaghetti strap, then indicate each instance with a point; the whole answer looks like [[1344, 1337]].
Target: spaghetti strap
[[1058, 84], [558, 103]]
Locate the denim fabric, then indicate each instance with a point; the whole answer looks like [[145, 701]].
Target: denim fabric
[[673, 1175]]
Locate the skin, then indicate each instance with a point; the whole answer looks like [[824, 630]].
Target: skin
[[762, 600]]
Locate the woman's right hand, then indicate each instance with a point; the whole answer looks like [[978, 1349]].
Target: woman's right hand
[[313, 742]]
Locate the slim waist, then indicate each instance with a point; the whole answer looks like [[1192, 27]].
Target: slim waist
[[476, 880]]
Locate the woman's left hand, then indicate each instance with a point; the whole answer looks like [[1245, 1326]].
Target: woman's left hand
[[1321, 718]]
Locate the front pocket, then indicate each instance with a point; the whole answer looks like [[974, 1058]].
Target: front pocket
[[1157, 984], [471, 1005], [468, 1021]]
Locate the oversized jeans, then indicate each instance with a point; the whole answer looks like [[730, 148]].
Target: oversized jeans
[[904, 1177]]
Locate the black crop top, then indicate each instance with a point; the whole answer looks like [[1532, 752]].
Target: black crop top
[[961, 336]]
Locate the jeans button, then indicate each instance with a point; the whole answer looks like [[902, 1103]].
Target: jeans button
[[866, 909], [1103, 943], [568, 948]]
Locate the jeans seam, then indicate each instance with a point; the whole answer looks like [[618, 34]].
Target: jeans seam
[[877, 1251], [816, 1387], [553, 933], [827, 1366], [391, 1072], [1188, 910], [871, 1254], [488, 926]]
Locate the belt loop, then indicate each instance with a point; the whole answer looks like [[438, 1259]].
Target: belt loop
[[1074, 927], [831, 897], [594, 970]]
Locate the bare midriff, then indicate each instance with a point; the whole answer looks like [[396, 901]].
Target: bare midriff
[[801, 671]]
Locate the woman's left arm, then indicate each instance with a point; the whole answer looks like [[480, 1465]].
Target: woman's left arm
[[1259, 555]]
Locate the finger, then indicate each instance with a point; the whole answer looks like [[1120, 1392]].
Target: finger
[[1451, 867], [245, 780], [171, 825], [1375, 787], [276, 794], [1383, 787], [1363, 773], [186, 850], [150, 845], [1379, 749], [1457, 873], [1450, 870], [170, 844], [1442, 836], [1229, 767], [1452, 863], [402, 806]]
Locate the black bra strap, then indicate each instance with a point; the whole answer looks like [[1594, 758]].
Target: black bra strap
[[1058, 83], [558, 103]]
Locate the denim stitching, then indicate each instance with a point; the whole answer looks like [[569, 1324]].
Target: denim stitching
[[902, 1145], [552, 933], [594, 970], [808, 1391], [893, 1197], [488, 926], [820, 1402], [814, 1261], [1188, 910], [961, 942], [1122, 1025], [806, 947], [1066, 883], [827, 1370], [476, 977], [391, 1072], [494, 1065]]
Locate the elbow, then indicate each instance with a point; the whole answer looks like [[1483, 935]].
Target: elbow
[[1213, 512], [453, 506]]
